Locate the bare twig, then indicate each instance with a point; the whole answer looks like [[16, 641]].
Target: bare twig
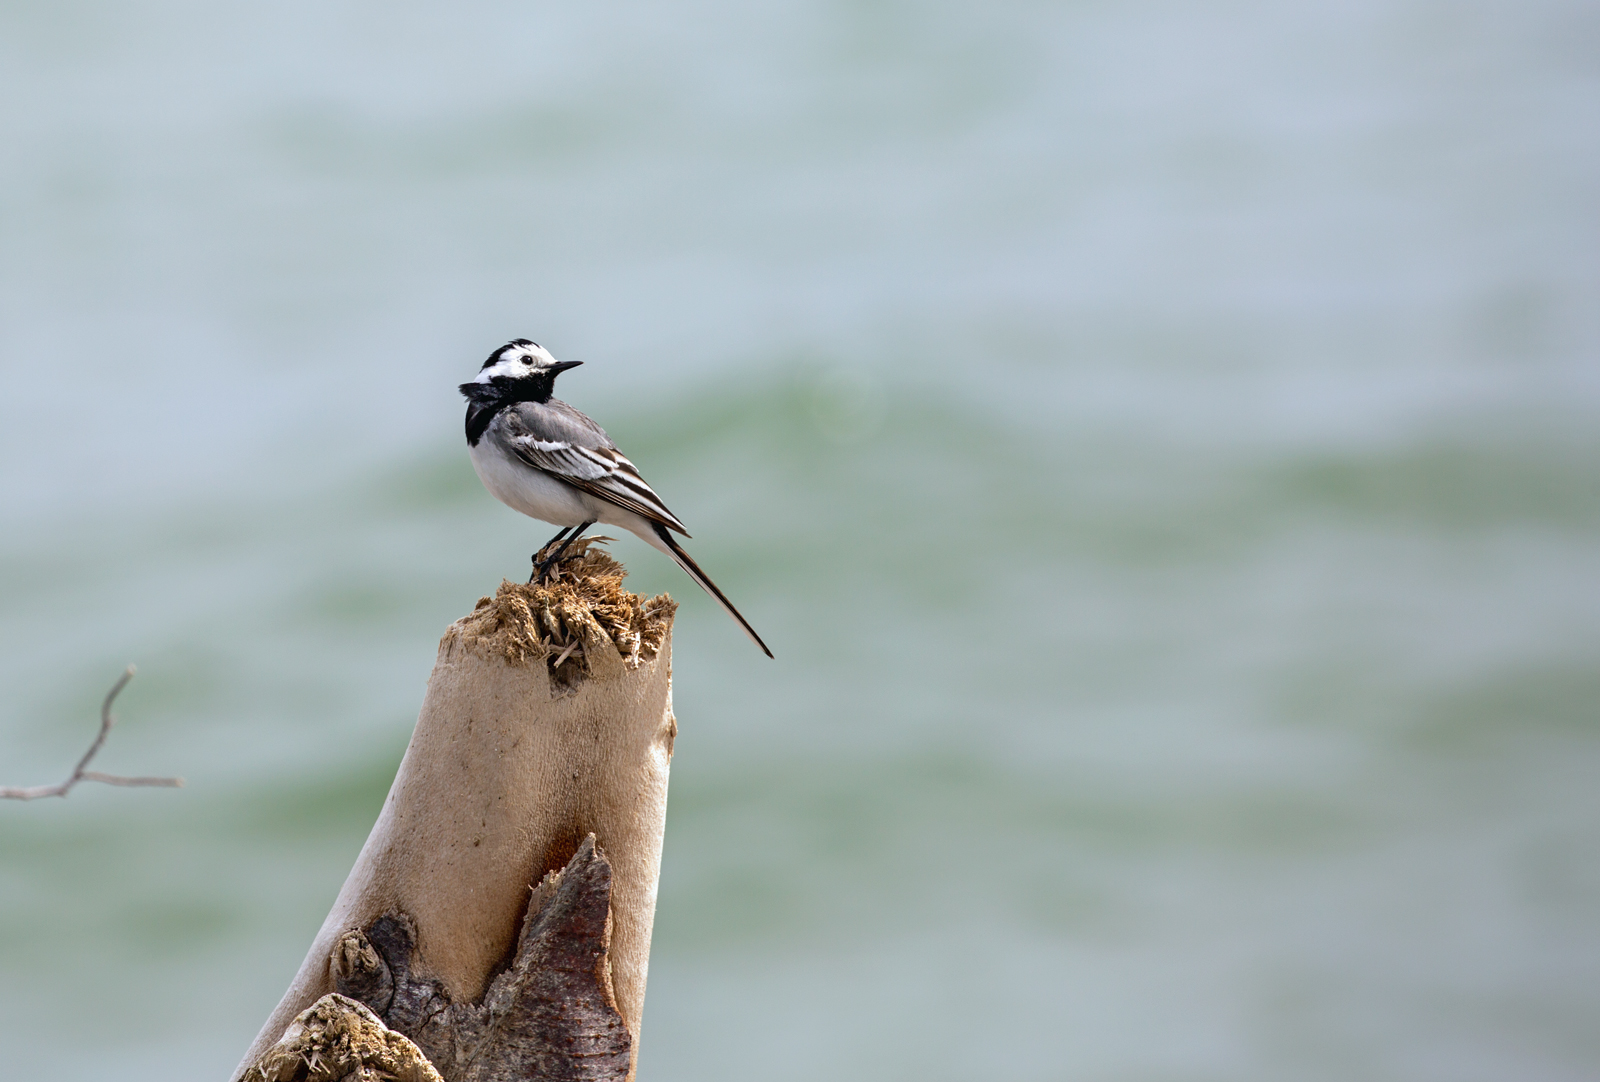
[[81, 771]]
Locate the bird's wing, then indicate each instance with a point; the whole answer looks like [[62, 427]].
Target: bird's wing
[[554, 437]]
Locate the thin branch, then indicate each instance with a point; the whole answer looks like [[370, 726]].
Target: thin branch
[[82, 772]]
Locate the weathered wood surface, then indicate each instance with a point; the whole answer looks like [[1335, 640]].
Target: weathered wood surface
[[551, 1015], [338, 1040]]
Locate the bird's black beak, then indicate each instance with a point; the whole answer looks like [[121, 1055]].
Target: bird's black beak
[[561, 366]]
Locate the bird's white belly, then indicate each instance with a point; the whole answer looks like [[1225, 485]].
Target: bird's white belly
[[533, 492]]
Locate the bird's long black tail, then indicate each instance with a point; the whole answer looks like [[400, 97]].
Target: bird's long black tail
[[685, 561]]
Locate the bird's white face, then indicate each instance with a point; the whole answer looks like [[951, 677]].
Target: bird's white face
[[517, 360]]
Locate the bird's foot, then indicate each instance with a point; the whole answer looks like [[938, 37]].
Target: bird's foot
[[542, 568], [556, 558]]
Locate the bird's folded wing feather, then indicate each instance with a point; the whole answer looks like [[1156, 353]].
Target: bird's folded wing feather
[[566, 444]]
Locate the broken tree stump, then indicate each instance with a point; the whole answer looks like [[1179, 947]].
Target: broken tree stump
[[542, 747]]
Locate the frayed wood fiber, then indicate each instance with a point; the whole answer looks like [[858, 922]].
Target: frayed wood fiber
[[581, 599], [336, 1039]]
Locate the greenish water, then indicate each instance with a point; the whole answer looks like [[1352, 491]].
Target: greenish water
[[1159, 444]]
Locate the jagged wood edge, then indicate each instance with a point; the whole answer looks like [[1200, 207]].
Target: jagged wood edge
[[550, 1015]]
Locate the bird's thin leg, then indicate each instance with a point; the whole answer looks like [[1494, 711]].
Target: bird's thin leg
[[538, 568], [543, 565]]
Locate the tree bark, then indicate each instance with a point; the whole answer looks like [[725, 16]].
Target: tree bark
[[543, 743]]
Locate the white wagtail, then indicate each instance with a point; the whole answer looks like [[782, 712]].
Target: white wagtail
[[538, 455]]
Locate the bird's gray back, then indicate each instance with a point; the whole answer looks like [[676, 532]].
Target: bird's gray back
[[554, 421], [557, 439]]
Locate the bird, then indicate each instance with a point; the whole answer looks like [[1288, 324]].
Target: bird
[[538, 455]]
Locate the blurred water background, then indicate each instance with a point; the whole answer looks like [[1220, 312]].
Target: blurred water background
[[1160, 442]]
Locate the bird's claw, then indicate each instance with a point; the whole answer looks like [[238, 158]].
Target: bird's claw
[[541, 568]]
